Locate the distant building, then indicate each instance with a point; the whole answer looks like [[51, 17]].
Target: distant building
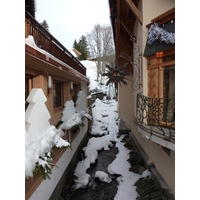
[[76, 52]]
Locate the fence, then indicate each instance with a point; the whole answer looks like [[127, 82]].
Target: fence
[[156, 115]]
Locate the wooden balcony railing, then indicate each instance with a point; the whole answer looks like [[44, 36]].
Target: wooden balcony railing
[[47, 42]]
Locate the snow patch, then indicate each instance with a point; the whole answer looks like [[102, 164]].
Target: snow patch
[[126, 188], [102, 176], [91, 154]]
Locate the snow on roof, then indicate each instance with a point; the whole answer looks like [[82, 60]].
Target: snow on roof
[[72, 52]]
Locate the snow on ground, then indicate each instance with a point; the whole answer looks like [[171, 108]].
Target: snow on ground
[[91, 154], [104, 117], [120, 165], [91, 73], [102, 176], [105, 124]]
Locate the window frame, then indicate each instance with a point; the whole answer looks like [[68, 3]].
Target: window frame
[[61, 95], [156, 64], [166, 63]]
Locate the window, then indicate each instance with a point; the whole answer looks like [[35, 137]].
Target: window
[[169, 82], [57, 94], [169, 92], [74, 94], [28, 86]]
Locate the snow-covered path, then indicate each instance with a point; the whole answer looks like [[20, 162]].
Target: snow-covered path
[[105, 125]]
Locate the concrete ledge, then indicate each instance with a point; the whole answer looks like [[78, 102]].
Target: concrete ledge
[[167, 193], [157, 140], [69, 170]]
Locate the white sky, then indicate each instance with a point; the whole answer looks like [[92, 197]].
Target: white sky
[[69, 20]]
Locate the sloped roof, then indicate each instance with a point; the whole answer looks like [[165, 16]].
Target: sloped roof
[[158, 46]]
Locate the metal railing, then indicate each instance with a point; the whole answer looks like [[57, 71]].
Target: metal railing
[[47, 42], [156, 115]]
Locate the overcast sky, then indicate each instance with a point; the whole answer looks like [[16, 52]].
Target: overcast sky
[[69, 20]]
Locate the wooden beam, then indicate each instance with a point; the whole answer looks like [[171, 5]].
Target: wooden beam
[[125, 25], [127, 44], [118, 9], [135, 11], [127, 11]]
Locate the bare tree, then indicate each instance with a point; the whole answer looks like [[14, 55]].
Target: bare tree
[[101, 46], [108, 56], [94, 41]]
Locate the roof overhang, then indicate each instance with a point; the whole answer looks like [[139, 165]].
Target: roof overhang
[[123, 14], [166, 21], [158, 46], [44, 64]]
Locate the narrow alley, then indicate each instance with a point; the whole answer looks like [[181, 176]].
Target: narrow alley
[[110, 166]]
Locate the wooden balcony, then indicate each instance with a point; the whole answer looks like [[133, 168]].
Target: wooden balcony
[[47, 42]]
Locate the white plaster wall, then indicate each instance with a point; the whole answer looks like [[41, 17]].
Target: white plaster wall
[[47, 186], [125, 100]]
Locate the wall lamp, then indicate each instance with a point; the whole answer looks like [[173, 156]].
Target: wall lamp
[[71, 88], [49, 85]]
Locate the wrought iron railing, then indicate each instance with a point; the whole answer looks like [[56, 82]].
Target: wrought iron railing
[[156, 115]]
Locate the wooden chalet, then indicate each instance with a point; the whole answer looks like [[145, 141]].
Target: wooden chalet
[[51, 67]]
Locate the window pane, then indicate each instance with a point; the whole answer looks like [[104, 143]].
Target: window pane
[[57, 94], [169, 94], [169, 82], [26, 91], [74, 94]]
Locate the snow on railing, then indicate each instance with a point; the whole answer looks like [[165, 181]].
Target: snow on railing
[[40, 136], [72, 116]]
